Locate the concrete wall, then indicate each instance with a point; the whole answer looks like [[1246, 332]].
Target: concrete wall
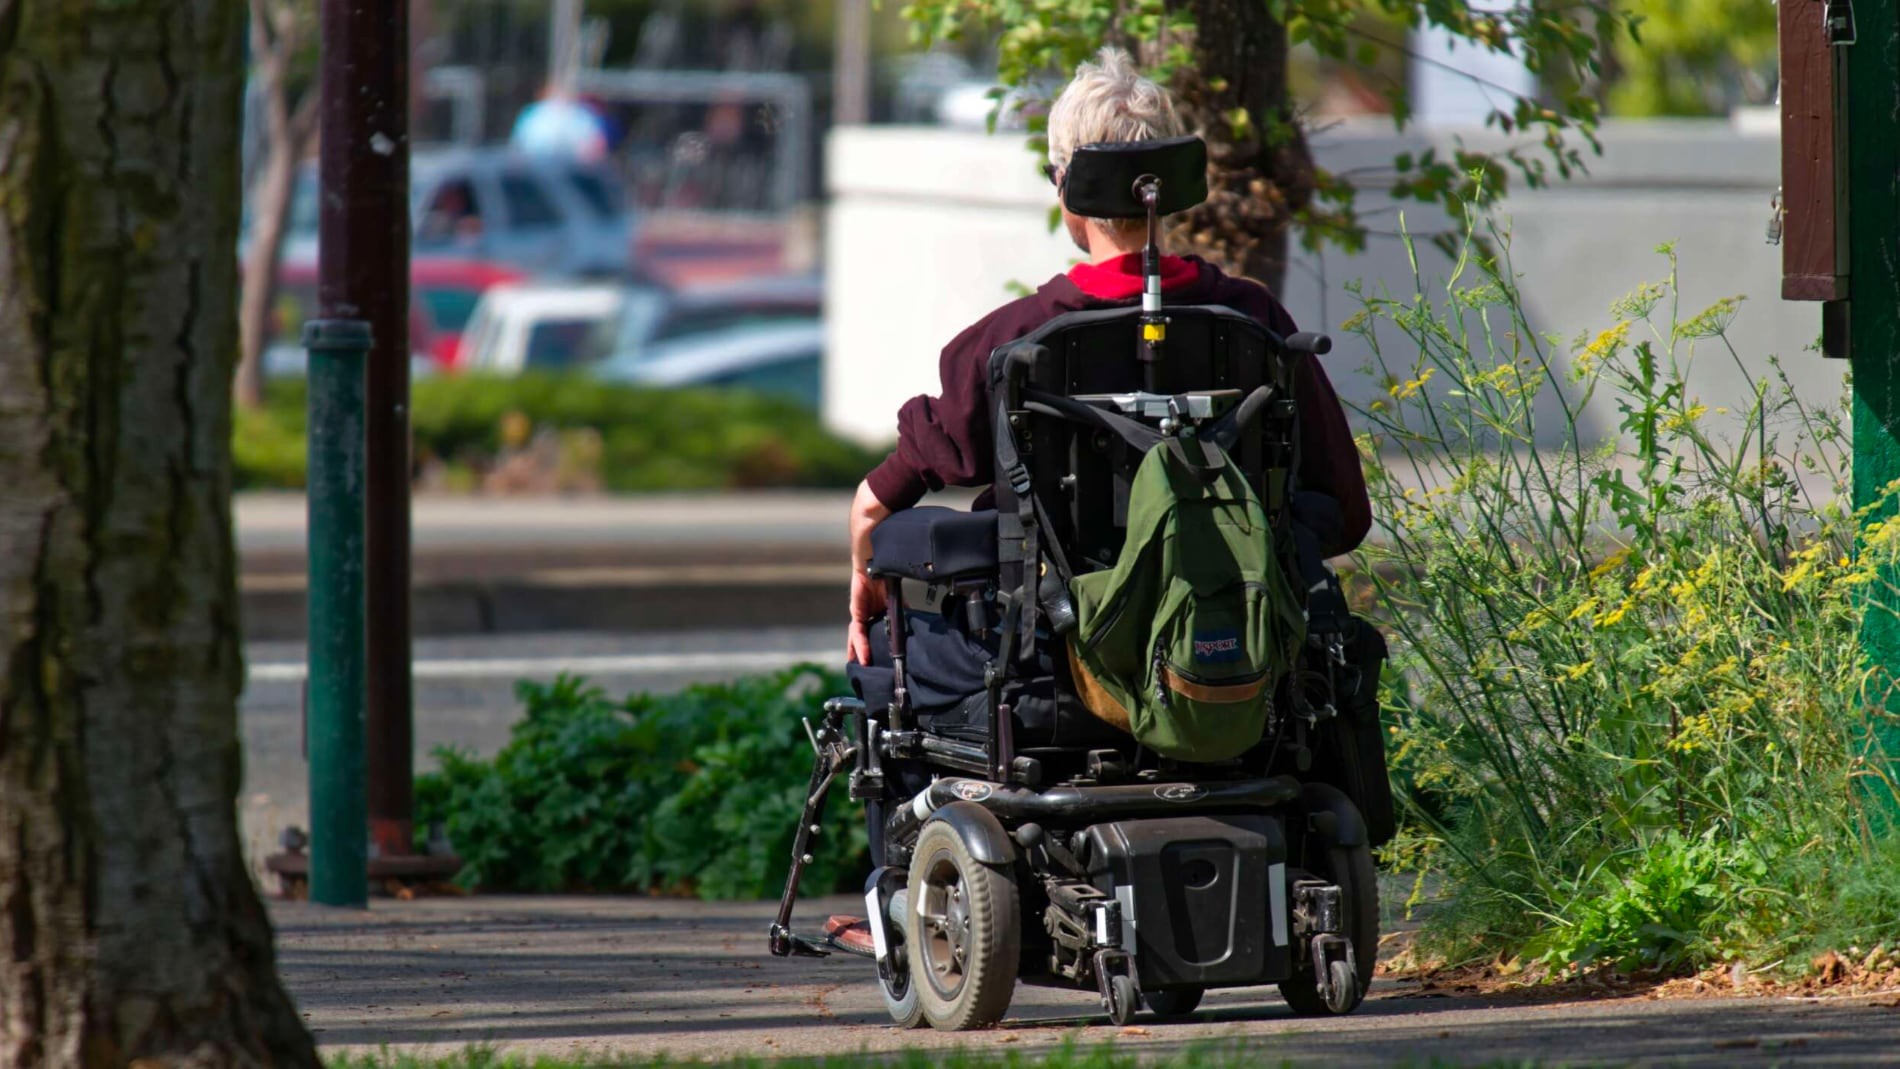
[[928, 228]]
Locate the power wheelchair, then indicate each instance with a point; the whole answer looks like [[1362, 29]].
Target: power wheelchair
[[1016, 835]]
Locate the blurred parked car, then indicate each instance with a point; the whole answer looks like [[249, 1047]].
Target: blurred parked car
[[296, 301], [447, 292], [786, 359], [650, 317], [443, 294], [537, 214], [536, 327]]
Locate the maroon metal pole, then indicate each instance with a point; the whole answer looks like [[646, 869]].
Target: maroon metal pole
[[364, 274]]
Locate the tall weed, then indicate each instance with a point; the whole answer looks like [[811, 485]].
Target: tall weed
[[1626, 687]]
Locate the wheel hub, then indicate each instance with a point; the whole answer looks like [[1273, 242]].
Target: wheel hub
[[946, 926]]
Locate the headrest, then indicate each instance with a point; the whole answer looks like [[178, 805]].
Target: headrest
[[1100, 182]]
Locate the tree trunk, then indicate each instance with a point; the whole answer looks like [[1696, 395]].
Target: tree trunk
[[129, 926], [1234, 93], [263, 257]]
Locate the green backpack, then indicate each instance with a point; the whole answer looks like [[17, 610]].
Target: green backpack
[[1183, 641]]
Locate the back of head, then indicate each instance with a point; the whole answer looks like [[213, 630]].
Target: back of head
[[1109, 100]]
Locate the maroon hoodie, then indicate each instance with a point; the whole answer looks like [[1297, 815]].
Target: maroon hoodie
[[945, 440]]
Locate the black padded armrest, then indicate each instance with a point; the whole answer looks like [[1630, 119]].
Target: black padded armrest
[[935, 544]]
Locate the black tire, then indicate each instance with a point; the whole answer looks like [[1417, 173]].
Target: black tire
[[900, 995], [963, 930], [1351, 868], [1123, 1000], [1176, 1003]]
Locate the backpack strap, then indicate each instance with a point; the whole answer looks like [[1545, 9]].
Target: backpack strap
[[1225, 431], [1139, 436]]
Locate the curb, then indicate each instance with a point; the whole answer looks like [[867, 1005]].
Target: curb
[[582, 599]]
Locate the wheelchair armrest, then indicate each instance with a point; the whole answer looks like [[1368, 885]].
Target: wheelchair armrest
[[934, 544]]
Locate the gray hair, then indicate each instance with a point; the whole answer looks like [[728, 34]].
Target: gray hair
[[1109, 100]]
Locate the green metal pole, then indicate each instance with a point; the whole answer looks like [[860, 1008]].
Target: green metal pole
[[1872, 103], [339, 799]]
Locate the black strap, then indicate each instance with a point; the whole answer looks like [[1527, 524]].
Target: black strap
[[1009, 461], [1226, 430], [1137, 434]]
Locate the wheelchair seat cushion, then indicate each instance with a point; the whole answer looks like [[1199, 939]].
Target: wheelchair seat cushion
[[946, 688], [935, 544]]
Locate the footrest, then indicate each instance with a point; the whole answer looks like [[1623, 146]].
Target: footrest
[[789, 944], [839, 927]]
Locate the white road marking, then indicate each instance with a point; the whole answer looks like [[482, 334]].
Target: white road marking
[[624, 664]]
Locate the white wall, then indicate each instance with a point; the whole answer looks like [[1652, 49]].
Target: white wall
[[928, 227]]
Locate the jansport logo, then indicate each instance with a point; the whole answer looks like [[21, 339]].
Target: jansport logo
[[1213, 647]]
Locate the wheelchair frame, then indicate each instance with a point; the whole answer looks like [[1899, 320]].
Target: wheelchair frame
[[1004, 823]]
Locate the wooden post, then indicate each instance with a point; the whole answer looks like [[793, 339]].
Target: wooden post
[[1813, 254]]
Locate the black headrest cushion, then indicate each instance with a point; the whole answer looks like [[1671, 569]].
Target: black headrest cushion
[[1100, 182]]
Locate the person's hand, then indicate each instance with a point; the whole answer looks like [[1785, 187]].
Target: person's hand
[[867, 597], [867, 602]]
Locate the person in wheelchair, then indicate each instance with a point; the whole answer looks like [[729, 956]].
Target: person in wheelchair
[[945, 440], [1121, 695]]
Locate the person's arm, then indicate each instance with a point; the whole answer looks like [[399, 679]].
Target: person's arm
[[867, 597], [1329, 458]]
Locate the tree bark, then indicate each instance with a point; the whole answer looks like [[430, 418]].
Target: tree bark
[[130, 931], [1260, 168]]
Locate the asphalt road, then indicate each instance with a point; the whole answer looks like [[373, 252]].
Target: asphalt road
[[637, 976], [465, 695]]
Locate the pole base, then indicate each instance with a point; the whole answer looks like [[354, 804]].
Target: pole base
[[387, 875]]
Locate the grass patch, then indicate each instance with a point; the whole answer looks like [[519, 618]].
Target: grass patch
[[595, 435], [1626, 690], [696, 792]]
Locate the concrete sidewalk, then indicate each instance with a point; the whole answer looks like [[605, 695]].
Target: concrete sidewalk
[[506, 565], [644, 976]]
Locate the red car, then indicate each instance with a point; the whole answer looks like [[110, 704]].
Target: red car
[[447, 291], [443, 294]]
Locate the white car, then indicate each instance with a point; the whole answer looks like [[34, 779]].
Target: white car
[[651, 317], [786, 359], [521, 327]]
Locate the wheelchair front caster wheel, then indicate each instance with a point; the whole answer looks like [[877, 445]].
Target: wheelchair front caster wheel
[[1342, 993], [1176, 1003], [900, 994], [1123, 999], [963, 931], [1350, 867]]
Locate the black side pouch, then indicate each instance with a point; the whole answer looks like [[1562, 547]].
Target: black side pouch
[[1352, 747]]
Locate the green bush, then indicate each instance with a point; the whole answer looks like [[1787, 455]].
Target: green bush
[[696, 792], [649, 439], [1626, 682]]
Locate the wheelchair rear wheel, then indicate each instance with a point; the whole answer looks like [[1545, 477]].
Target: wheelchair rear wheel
[[1178, 1002], [963, 930], [1351, 868]]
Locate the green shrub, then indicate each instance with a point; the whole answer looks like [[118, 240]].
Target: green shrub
[[1627, 689], [695, 792], [649, 439]]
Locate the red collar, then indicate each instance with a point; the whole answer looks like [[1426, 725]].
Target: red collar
[[1120, 278]]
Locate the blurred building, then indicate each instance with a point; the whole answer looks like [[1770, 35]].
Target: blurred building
[[975, 212]]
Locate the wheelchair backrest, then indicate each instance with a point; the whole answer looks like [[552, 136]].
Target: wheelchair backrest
[[1079, 474]]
